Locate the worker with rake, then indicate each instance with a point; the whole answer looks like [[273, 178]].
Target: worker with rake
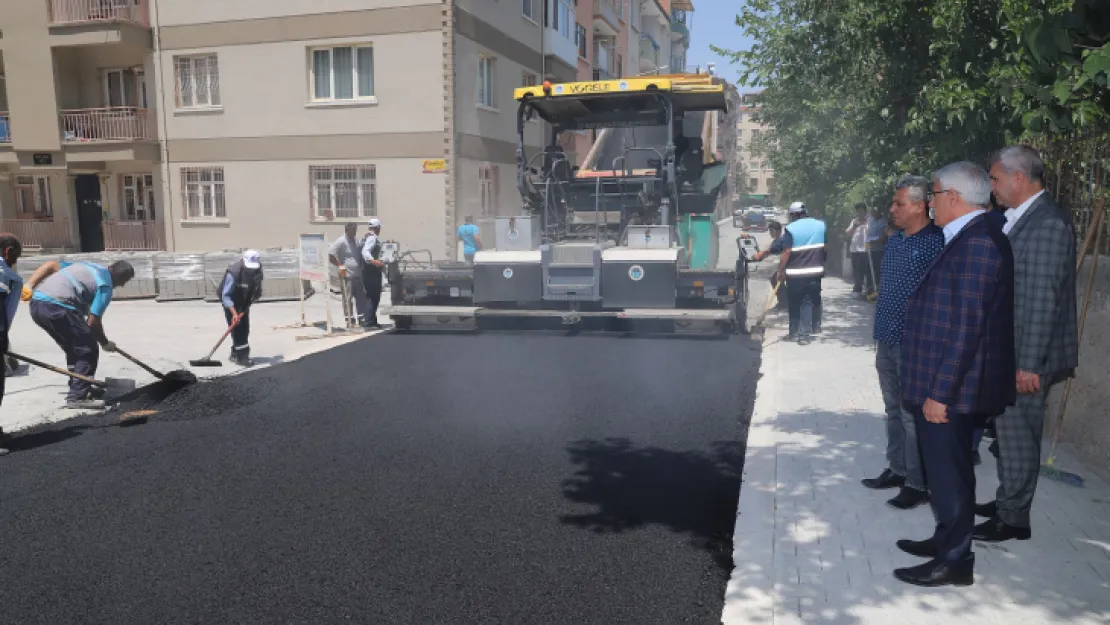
[[241, 287], [68, 301], [10, 284]]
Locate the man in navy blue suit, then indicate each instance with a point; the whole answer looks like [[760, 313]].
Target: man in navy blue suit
[[958, 366]]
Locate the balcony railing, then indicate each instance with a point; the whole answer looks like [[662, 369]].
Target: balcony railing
[[39, 233], [117, 123], [85, 11], [5, 127], [134, 236]]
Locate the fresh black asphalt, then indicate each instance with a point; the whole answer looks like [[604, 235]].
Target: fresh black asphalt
[[496, 478]]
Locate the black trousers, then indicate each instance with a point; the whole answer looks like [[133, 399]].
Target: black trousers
[[804, 296], [950, 478], [240, 334], [3, 352], [70, 330], [861, 273], [372, 281]]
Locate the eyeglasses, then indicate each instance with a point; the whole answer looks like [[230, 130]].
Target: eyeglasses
[[930, 195]]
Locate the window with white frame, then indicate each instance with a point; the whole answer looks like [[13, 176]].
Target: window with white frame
[[342, 73], [528, 9], [202, 190], [487, 65], [138, 197], [32, 196], [487, 189], [344, 191], [125, 87], [564, 18], [197, 79]]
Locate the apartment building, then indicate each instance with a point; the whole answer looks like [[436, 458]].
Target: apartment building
[[197, 125], [751, 131]]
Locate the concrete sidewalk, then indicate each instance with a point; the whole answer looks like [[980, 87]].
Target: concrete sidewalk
[[165, 336], [812, 545]]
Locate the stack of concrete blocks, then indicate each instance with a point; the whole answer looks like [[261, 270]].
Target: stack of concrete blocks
[[179, 277]]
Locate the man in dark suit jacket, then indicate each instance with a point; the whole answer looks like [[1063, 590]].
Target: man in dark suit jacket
[[1045, 331], [957, 364]]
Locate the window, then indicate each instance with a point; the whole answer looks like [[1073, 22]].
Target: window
[[343, 73], [125, 87], [770, 185], [564, 18], [487, 189], [198, 81], [486, 68], [344, 191], [202, 189], [753, 183], [755, 135], [528, 9], [581, 39], [32, 196], [528, 79], [138, 197]]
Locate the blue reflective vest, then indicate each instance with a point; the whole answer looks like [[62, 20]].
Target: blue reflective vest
[[807, 254]]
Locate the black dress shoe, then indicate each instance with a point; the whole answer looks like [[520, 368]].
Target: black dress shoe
[[888, 479], [937, 574], [920, 548], [908, 498], [986, 510], [995, 530]]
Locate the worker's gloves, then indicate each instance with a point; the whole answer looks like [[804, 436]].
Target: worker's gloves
[[109, 346], [26, 294]]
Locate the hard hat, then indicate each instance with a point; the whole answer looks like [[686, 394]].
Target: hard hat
[[797, 207], [252, 259], [375, 223]]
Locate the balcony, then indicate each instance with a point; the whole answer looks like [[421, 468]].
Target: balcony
[[5, 127], [680, 32], [606, 18], [99, 22], [116, 123], [134, 236], [39, 233], [99, 11]]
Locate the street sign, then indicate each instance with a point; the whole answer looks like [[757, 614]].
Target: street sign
[[434, 165], [313, 258]]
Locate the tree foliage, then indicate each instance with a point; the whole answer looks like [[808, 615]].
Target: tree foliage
[[861, 91]]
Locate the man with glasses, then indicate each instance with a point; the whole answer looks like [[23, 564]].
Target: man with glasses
[[957, 365]]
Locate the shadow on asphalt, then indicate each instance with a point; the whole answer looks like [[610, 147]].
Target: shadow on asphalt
[[633, 487], [44, 438]]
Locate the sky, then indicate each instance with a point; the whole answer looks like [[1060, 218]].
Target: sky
[[714, 22]]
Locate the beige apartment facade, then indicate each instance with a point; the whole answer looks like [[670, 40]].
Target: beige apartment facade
[[217, 125], [750, 132]]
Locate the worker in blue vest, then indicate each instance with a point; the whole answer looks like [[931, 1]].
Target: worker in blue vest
[[11, 291], [802, 265], [70, 305]]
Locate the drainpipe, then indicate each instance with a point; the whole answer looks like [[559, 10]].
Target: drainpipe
[[163, 141]]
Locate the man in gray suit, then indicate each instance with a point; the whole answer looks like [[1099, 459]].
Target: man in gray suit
[[1045, 334]]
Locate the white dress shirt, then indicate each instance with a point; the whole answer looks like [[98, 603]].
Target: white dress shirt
[[1014, 214], [956, 225]]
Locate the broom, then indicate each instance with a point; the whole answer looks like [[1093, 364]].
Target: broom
[[1048, 469]]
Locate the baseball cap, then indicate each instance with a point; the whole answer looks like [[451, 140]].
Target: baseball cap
[[375, 223], [797, 207], [252, 259]]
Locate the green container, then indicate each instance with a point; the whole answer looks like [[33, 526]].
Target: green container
[[700, 236]]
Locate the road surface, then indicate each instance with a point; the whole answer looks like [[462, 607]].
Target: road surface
[[398, 479]]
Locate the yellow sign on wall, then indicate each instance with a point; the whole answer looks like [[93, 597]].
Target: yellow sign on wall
[[434, 165]]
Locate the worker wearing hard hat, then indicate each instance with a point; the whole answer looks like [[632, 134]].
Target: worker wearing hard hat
[[802, 265], [241, 287], [11, 289], [372, 273]]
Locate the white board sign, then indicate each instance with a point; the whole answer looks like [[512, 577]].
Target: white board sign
[[313, 257]]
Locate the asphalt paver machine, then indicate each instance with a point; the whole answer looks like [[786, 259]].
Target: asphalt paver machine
[[629, 237]]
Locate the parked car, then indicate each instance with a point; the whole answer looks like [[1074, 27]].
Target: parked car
[[738, 218], [755, 221]]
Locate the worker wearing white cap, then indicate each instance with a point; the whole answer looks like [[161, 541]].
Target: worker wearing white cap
[[372, 274], [802, 265], [242, 286]]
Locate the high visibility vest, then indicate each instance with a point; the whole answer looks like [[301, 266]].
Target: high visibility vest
[[807, 254]]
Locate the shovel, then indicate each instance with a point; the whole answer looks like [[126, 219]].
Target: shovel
[[83, 378], [207, 360], [179, 376], [758, 329]]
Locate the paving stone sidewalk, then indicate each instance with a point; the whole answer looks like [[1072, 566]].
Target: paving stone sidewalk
[[812, 545]]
